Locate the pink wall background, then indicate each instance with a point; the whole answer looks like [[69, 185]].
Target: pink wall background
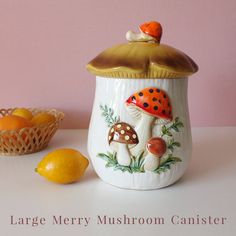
[[45, 45]]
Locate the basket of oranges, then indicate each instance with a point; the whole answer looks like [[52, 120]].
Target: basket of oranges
[[24, 131]]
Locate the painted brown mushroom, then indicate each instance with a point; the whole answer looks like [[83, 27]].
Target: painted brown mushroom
[[123, 134], [150, 31], [146, 106], [156, 147]]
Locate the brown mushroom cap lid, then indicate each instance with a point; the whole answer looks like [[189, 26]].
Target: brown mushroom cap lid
[[156, 146], [142, 60], [122, 133]]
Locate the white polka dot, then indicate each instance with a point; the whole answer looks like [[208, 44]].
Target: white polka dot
[[126, 137], [112, 130], [122, 131], [128, 128], [134, 136], [118, 126]]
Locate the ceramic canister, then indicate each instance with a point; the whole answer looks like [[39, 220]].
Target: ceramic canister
[[139, 134]]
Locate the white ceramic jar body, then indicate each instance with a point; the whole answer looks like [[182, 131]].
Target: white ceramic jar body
[[112, 93]]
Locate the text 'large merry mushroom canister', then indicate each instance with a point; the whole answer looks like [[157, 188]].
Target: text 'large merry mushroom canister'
[[139, 134]]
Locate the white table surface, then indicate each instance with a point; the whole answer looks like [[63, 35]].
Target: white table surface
[[208, 189]]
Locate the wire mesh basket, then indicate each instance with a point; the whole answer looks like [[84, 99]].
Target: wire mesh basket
[[30, 139]]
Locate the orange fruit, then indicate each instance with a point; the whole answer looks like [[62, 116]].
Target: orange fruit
[[43, 118], [12, 122], [23, 112]]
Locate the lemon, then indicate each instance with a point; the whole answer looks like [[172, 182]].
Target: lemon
[[23, 112], [63, 166], [43, 118]]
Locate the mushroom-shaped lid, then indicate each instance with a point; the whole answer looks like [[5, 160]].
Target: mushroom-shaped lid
[[153, 101], [156, 146], [122, 133], [143, 57]]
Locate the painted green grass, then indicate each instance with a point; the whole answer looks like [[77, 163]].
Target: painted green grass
[[136, 165]]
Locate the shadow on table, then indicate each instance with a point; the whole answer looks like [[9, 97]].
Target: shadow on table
[[210, 156], [90, 175]]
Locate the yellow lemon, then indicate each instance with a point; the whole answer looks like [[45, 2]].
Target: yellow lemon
[[23, 112], [43, 118], [63, 166]]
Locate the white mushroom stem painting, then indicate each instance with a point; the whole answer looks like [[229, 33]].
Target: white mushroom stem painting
[[144, 132], [151, 162], [123, 155]]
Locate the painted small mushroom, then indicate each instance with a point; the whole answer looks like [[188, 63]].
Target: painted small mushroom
[[150, 31], [156, 147], [148, 106], [123, 134]]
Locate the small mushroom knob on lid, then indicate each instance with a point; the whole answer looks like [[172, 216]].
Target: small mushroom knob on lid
[[149, 32], [123, 134], [153, 29], [156, 147]]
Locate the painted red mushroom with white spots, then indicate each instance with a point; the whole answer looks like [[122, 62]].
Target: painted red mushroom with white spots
[[147, 106]]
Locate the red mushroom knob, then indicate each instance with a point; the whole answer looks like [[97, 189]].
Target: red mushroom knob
[[152, 28], [149, 32]]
